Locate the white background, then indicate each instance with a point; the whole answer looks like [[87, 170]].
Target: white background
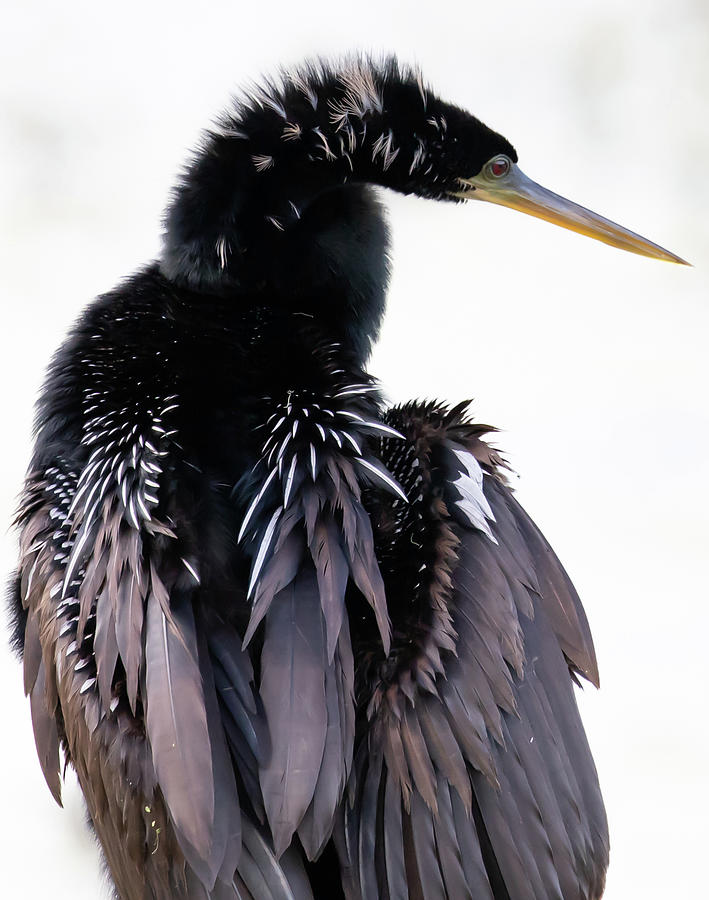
[[592, 361]]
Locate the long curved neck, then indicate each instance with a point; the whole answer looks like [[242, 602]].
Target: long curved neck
[[276, 200], [266, 163]]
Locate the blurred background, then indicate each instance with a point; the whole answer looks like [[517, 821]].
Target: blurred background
[[592, 362]]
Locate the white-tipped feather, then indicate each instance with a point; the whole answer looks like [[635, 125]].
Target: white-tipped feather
[[473, 503], [383, 476], [191, 569], [289, 481], [254, 504], [78, 547], [263, 549], [384, 429], [355, 391], [348, 437]]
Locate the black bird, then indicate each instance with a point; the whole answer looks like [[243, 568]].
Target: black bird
[[287, 638]]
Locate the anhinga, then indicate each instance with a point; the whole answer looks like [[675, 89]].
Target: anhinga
[[287, 637]]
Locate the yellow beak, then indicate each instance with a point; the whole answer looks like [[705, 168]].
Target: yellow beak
[[517, 191]]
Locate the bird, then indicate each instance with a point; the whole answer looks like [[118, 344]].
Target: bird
[[294, 642]]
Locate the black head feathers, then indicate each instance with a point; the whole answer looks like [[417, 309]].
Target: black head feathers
[[286, 144]]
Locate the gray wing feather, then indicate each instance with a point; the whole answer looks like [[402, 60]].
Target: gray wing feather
[[477, 781], [317, 823], [294, 700], [45, 735], [176, 723]]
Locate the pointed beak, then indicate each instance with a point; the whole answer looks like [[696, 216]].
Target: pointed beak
[[516, 191]]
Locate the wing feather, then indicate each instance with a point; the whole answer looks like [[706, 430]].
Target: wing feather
[[476, 876], [241, 716], [45, 735], [473, 768], [317, 823], [225, 846], [394, 860], [176, 722], [443, 748], [295, 704], [105, 647], [129, 610], [561, 601], [367, 834], [263, 875], [32, 655], [428, 863], [332, 572], [364, 568]]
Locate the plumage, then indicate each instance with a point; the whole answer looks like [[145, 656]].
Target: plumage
[[295, 644], [316, 825], [226, 832], [46, 735], [332, 572], [176, 721], [294, 699]]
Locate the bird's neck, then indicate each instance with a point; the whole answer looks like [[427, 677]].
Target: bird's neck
[[259, 174], [316, 246], [332, 267], [278, 200]]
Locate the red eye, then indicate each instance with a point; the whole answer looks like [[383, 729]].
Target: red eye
[[500, 166]]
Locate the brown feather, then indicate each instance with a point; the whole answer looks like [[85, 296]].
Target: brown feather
[[176, 722], [46, 736], [332, 572], [293, 694], [105, 647], [128, 609], [317, 823], [32, 652]]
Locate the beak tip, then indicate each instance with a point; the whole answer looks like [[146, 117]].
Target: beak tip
[[671, 257]]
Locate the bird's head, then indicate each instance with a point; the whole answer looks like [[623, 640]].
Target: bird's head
[[264, 179], [452, 155]]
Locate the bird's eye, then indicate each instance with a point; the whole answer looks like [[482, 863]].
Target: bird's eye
[[500, 166]]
